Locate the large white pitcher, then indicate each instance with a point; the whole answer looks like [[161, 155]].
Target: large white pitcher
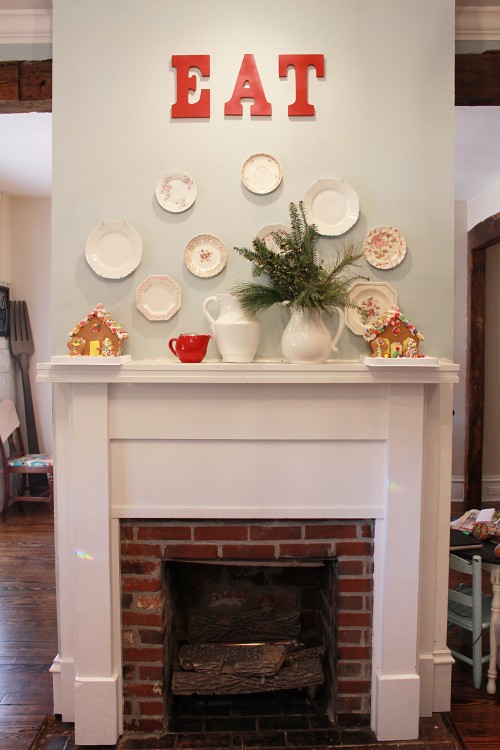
[[306, 339], [236, 334]]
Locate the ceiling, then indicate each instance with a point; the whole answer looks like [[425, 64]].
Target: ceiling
[[26, 162]]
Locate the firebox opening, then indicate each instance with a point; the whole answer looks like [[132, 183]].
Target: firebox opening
[[244, 628]]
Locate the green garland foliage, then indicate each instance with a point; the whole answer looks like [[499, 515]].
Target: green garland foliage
[[294, 274]]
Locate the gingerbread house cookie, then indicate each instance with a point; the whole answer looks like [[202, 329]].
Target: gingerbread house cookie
[[392, 335], [97, 335]]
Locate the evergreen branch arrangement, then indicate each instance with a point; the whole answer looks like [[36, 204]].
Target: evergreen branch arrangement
[[294, 274]]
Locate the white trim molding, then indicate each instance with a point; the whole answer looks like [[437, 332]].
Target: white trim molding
[[477, 22], [26, 26]]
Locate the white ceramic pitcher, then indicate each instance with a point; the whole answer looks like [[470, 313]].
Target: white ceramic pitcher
[[236, 334], [307, 340]]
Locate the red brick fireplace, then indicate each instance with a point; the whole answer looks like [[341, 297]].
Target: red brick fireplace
[[148, 454], [146, 545]]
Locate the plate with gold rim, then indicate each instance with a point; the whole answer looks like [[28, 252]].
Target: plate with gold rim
[[205, 255]]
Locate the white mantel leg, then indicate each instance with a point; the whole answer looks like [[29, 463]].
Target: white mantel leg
[[396, 684], [97, 679]]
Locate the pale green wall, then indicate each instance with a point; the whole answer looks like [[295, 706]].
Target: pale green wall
[[384, 123]]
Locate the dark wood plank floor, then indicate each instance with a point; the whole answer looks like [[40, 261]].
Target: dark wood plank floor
[[28, 640], [28, 645]]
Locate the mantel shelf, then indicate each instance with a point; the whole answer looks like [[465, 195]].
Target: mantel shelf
[[72, 370]]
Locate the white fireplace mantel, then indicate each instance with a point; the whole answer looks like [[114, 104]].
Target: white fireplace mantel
[[169, 440]]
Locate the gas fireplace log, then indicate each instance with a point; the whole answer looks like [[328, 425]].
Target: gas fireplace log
[[240, 627], [304, 673], [241, 659], [304, 653]]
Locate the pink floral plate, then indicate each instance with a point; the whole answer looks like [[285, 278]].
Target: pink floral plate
[[371, 299], [384, 247], [176, 192]]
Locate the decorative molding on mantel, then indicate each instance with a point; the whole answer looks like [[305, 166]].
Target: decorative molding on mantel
[[67, 369], [477, 23], [26, 26]]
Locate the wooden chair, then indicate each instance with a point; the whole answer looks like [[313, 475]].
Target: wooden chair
[[470, 609], [20, 465]]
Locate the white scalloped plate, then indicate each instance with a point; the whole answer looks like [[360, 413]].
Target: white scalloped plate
[[113, 249], [158, 297], [261, 173], [372, 299], [176, 192], [205, 255], [332, 205]]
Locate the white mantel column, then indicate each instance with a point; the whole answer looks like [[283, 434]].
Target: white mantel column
[[90, 550]]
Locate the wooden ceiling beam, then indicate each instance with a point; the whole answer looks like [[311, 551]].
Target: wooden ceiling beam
[[477, 79], [26, 86]]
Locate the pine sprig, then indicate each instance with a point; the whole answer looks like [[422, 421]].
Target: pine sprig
[[294, 274]]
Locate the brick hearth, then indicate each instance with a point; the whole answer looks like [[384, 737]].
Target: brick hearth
[[146, 545]]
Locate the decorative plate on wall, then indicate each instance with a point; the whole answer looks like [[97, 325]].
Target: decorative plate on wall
[[176, 192], [266, 235], [332, 205], [372, 299], [261, 173], [113, 249], [205, 255], [158, 297], [385, 247]]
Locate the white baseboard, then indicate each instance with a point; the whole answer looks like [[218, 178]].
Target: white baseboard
[[490, 491]]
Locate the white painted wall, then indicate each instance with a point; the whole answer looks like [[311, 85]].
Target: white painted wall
[[384, 122], [484, 204], [459, 345], [30, 281]]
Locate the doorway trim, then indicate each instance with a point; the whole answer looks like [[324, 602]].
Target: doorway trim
[[484, 235]]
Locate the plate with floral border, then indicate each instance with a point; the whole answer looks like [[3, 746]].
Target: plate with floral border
[[332, 205], [205, 255], [261, 173], [113, 249], [158, 297], [384, 247], [266, 235], [372, 299], [176, 192]]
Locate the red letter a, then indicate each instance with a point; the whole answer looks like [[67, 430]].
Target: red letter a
[[248, 75]]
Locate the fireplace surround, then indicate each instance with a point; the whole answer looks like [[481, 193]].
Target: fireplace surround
[[323, 568], [249, 445]]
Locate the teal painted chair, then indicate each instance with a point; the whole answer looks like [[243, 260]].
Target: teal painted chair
[[470, 610], [19, 466]]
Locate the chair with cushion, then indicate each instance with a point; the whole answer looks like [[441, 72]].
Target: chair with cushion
[[23, 467], [470, 609]]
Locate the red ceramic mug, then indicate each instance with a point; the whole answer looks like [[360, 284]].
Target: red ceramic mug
[[190, 347]]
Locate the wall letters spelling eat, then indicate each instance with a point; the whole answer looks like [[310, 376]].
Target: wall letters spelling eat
[[248, 86]]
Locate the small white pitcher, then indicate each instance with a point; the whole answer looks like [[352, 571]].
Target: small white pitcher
[[236, 334]]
